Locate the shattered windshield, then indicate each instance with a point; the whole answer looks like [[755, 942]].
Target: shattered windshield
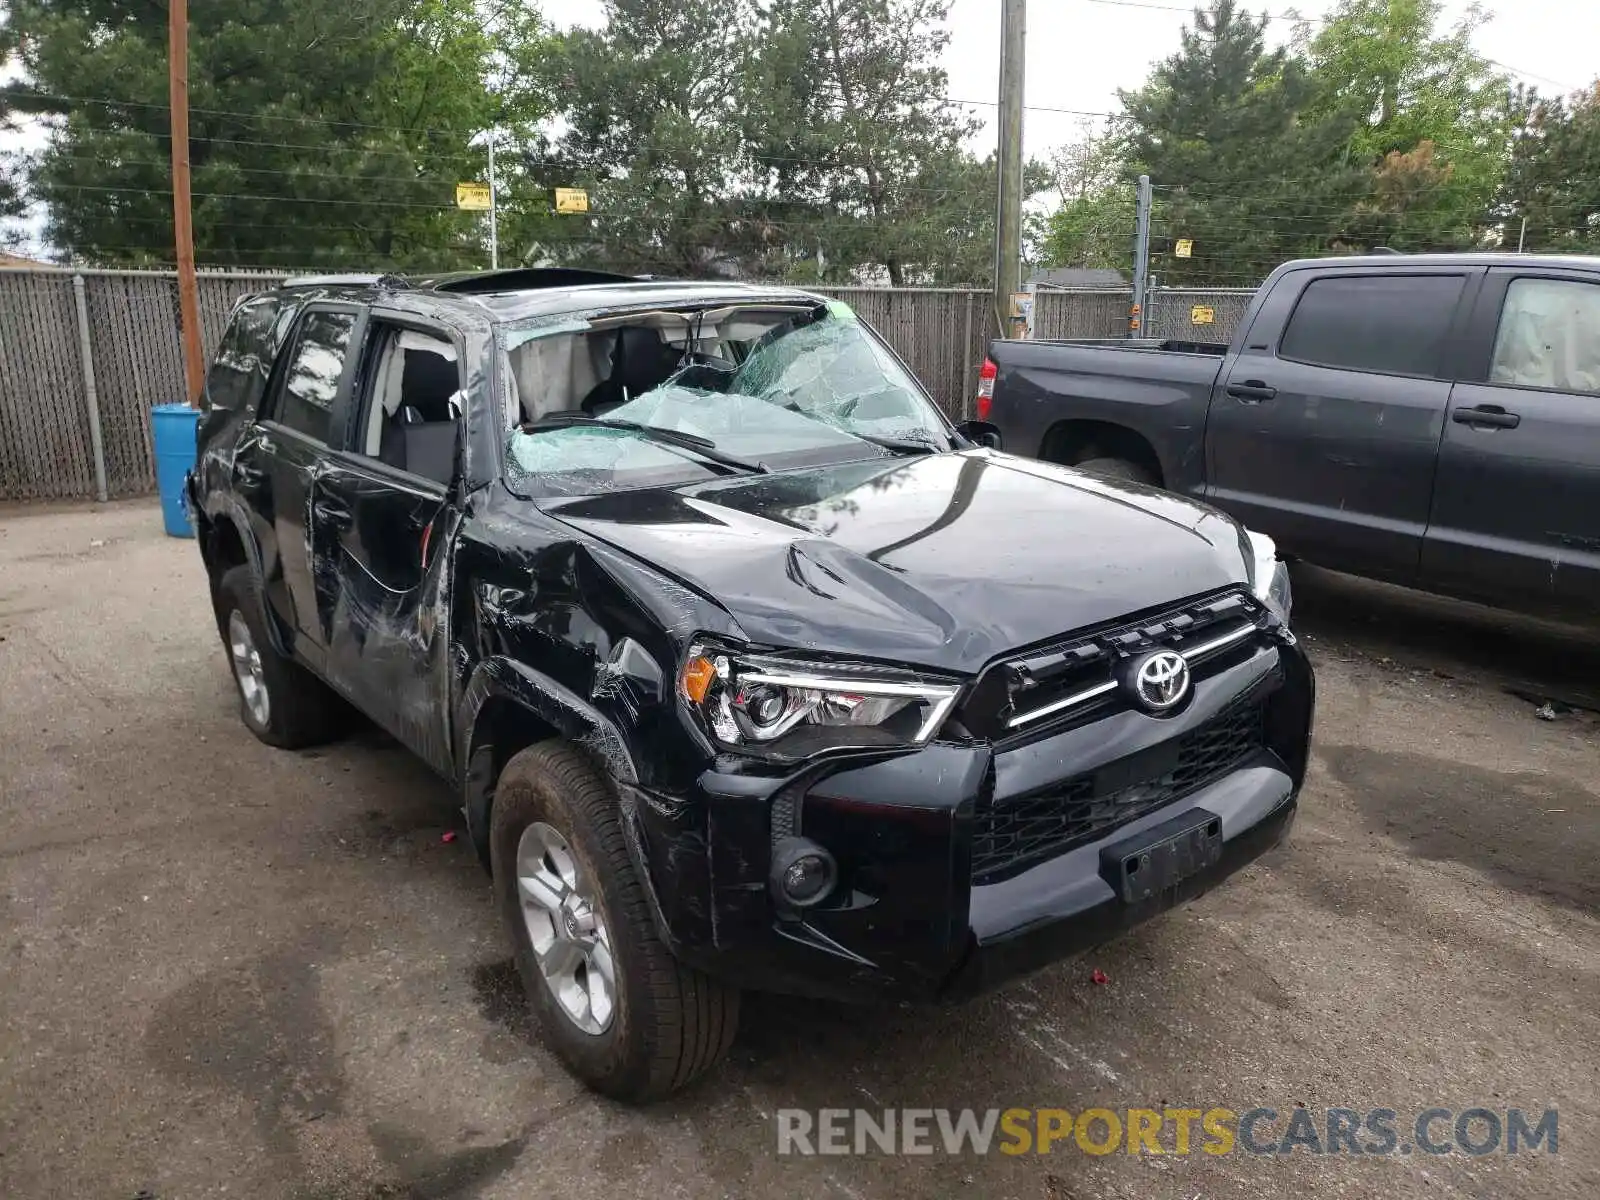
[[816, 388]]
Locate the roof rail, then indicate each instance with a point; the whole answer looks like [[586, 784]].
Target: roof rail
[[315, 280], [519, 279]]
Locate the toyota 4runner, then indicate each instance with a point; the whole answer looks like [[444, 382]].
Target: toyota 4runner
[[750, 670]]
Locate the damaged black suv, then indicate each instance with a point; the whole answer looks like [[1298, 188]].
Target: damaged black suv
[[749, 668]]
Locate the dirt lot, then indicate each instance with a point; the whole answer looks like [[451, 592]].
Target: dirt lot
[[229, 969]]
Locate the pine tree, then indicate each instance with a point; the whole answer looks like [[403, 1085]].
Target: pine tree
[[859, 150], [1239, 171], [1553, 179]]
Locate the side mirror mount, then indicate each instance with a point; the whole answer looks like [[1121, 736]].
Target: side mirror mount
[[980, 433]]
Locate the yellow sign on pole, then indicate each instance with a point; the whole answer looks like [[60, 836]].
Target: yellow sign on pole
[[1183, 248], [473, 196], [1202, 314], [572, 200]]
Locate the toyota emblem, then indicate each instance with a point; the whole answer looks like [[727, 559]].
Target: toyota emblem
[[1161, 680]]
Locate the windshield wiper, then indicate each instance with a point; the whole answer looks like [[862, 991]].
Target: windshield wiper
[[907, 445], [703, 446]]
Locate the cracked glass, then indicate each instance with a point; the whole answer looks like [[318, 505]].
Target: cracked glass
[[812, 390]]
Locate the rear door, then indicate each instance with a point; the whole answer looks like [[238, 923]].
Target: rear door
[[1326, 437], [383, 499], [1516, 511], [277, 463]]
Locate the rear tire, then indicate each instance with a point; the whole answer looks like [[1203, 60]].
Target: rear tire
[[280, 701], [557, 847], [1116, 468]]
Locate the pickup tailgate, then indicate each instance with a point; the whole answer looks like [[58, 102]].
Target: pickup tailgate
[[1043, 390]]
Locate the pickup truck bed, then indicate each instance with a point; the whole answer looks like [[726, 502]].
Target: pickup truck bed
[[1145, 388], [1432, 420]]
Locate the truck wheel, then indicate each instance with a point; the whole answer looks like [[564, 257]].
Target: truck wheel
[[1115, 468], [613, 1003], [280, 702]]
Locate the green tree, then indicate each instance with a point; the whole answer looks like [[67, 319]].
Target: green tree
[[1093, 224], [1241, 169], [855, 149], [1428, 119], [13, 206], [652, 107], [322, 135], [1553, 178]]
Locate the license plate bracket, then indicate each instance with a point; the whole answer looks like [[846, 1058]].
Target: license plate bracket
[[1149, 862]]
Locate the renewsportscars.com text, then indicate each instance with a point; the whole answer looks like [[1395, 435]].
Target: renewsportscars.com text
[[1216, 1131]]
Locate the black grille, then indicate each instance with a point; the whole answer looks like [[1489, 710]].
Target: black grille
[[1040, 680], [1011, 834]]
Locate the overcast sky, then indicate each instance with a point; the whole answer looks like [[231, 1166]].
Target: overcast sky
[[1081, 51]]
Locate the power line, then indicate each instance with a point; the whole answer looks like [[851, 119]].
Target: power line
[[291, 173], [89, 187], [894, 189], [557, 164], [1073, 112], [109, 102]]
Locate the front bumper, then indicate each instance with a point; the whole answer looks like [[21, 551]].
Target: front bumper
[[909, 920]]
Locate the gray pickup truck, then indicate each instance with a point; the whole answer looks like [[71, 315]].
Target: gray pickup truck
[[1431, 420]]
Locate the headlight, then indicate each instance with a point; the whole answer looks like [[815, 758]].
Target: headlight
[[1269, 577], [788, 709]]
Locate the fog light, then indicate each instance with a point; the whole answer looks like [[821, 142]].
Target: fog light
[[803, 873]]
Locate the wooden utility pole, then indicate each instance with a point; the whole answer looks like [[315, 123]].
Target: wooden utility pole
[[182, 218], [1008, 218]]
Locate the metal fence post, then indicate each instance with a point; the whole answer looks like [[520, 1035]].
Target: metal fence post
[[966, 361], [96, 446], [1141, 259]]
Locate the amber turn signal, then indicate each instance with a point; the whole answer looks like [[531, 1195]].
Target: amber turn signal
[[697, 676]]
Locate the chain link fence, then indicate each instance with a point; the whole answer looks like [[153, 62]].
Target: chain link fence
[[129, 334], [1182, 314], [1196, 314], [943, 334]]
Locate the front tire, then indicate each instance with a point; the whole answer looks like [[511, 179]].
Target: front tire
[[280, 702], [613, 1003]]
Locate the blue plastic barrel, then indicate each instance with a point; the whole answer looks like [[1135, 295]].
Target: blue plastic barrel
[[172, 430]]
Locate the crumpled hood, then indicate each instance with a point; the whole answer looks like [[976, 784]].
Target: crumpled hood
[[942, 561]]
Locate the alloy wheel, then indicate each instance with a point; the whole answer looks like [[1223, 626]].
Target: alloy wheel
[[247, 669], [566, 928]]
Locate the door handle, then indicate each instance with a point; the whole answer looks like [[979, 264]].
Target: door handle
[[1488, 416], [249, 476], [1251, 391]]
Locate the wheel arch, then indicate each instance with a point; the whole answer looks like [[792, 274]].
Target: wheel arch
[[507, 707], [1074, 441], [223, 544], [226, 541]]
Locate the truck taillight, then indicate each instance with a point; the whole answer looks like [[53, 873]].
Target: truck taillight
[[986, 374]]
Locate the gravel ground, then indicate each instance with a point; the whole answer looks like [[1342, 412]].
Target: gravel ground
[[226, 969]]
